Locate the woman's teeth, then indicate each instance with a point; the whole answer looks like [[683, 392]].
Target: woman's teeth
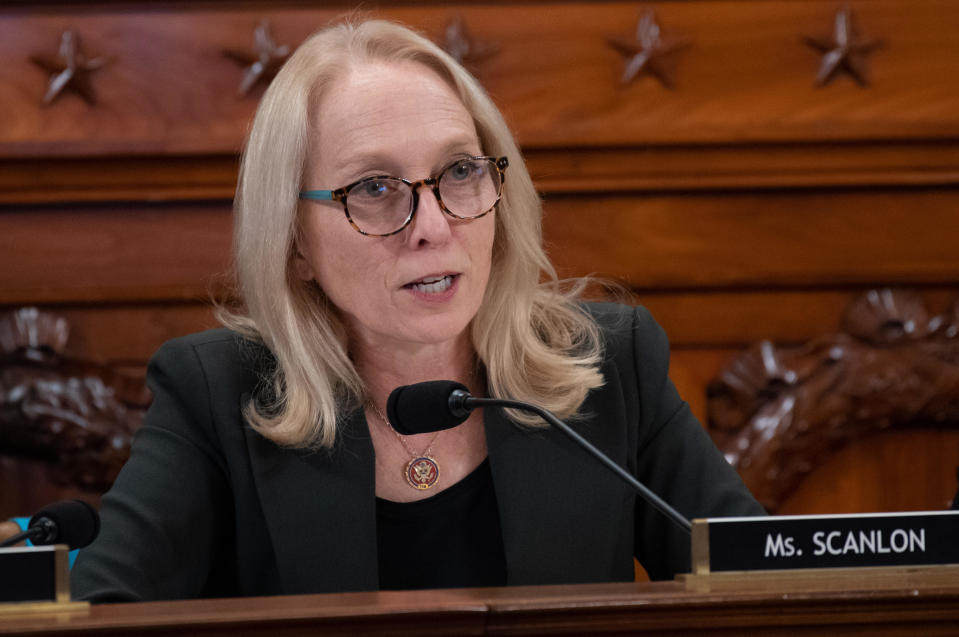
[[434, 285]]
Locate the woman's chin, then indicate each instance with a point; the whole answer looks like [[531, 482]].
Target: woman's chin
[[435, 330]]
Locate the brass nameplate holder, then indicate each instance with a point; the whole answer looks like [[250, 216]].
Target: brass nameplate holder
[[36, 579], [895, 547]]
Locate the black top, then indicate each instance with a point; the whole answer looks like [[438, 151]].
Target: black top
[[450, 540]]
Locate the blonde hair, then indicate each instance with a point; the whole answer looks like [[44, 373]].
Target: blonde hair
[[536, 342]]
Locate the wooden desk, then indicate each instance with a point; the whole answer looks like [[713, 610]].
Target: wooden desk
[[823, 606]]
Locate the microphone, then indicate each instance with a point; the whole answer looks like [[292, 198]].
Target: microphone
[[72, 522], [425, 407], [443, 404]]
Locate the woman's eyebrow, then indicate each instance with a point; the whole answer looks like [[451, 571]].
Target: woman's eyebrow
[[362, 161], [462, 145], [356, 164]]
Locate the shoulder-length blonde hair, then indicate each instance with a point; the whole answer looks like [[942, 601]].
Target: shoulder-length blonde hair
[[536, 342]]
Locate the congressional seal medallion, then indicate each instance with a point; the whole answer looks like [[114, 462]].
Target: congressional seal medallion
[[422, 472]]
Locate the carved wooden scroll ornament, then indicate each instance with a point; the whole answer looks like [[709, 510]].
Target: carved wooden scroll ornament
[[777, 412], [76, 415]]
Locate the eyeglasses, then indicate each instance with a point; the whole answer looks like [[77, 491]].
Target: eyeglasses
[[382, 206]]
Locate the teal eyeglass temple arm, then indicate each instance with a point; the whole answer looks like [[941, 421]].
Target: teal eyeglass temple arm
[[321, 195]]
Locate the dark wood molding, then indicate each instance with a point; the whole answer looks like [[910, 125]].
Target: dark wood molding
[[39, 178], [855, 604]]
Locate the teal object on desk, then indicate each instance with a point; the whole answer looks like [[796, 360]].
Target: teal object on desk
[[23, 523]]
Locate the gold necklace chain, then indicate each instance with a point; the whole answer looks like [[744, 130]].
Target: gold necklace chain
[[422, 471]]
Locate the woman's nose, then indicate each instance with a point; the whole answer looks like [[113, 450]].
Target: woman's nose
[[430, 225]]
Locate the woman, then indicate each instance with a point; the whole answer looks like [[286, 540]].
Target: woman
[[388, 233]]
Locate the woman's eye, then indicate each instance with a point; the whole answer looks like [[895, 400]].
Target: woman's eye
[[462, 170], [372, 189]]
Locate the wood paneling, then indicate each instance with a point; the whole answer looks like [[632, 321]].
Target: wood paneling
[[555, 171], [108, 253], [25, 487], [36, 180], [698, 324], [127, 335], [695, 167], [169, 89], [33, 180], [911, 470], [759, 240], [709, 318], [746, 203], [652, 243], [750, 79]]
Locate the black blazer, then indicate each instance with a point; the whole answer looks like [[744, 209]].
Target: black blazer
[[207, 507]]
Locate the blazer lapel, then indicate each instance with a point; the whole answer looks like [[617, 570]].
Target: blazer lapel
[[557, 506], [320, 510]]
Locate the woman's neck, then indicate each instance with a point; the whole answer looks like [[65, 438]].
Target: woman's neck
[[384, 367]]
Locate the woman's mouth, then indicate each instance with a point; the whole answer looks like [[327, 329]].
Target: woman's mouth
[[433, 284]]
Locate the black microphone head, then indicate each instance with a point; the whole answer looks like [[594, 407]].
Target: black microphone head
[[75, 523], [423, 407]]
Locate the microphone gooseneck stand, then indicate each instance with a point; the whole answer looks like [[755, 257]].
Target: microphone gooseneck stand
[[461, 400]]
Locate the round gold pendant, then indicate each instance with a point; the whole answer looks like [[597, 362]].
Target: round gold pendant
[[422, 472]]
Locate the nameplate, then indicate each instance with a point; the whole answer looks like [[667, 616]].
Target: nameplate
[[35, 574], [825, 541]]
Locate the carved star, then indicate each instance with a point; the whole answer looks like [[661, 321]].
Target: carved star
[[648, 52], [264, 62], [462, 46], [845, 51], [69, 70]]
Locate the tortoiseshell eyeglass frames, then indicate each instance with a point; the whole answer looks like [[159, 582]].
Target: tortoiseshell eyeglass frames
[[383, 205]]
